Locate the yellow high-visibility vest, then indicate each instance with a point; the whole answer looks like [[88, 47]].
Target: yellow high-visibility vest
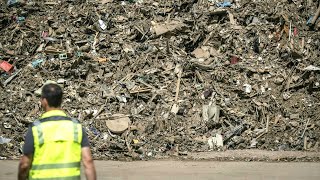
[[57, 153]]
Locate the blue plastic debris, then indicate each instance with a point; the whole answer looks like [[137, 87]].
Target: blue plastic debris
[[94, 131], [20, 19], [310, 19], [224, 4], [36, 62], [11, 2], [79, 54]]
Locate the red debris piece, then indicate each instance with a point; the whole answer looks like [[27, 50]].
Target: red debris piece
[[7, 67], [44, 34], [234, 60], [295, 31]]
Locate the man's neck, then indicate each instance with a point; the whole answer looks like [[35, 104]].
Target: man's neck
[[51, 108]]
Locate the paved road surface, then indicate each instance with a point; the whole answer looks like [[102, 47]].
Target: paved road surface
[[187, 170]]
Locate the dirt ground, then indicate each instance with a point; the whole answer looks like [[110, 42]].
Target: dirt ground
[[257, 155], [185, 170], [205, 166]]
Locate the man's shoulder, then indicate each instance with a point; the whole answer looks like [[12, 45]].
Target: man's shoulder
[[53, 118]]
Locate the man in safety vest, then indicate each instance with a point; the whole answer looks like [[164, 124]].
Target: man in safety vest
[[55, 144]]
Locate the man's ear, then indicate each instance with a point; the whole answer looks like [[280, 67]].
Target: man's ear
[[44, 102]]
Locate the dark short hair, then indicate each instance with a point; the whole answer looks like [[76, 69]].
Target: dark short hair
[[53, 94]]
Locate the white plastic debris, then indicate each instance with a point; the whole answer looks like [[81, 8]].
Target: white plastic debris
[[50, 39], [286, 95], [105, 136], [215, 141], [122, 98], [211, 112], [263, 89], [4, 140], [312, 68], [102, 24], [254, 143], [247, 88], [6, 125], [61, 81], [210, 142], [175, 109], [218, 140], [149, 154], [255, 20]]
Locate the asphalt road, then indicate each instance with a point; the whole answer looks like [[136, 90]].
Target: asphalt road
[[187, 170]]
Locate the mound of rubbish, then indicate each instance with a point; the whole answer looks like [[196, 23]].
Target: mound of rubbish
[[151, 79]]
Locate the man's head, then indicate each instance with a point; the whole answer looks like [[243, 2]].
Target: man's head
[[51, 96]]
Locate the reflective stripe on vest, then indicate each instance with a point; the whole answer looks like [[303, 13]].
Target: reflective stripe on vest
[[58, 178], [39, 129], [56, 166]]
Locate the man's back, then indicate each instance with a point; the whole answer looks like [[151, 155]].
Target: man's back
[[55, 144]]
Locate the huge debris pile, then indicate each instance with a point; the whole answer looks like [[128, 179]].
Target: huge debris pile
[[153, 78]]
